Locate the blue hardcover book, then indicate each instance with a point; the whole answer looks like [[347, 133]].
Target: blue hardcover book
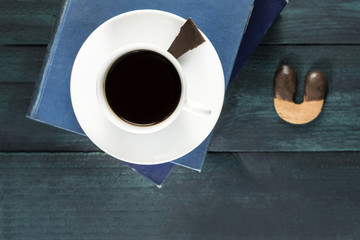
[[264, 14], [52, 104]]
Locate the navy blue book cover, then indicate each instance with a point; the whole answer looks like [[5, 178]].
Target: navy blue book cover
[[52, 104], [264, 14]]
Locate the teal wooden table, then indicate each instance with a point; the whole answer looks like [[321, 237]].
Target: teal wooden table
[[262, 179]]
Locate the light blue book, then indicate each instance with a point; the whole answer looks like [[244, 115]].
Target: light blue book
[[223, 22]]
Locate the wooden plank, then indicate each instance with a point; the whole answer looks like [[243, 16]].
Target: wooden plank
[[20, 64], [317, 22], [301, 22], [18, 133], [28, 22], [275, 196], [248, 109], [249, 121]]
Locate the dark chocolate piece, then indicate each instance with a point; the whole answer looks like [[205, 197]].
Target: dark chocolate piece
[[188, 38], [315, 86], [285, 83]]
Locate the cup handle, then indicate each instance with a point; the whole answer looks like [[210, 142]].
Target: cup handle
[[197, 108]]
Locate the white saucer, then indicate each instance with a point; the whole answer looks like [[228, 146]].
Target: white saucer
[[201, 66]]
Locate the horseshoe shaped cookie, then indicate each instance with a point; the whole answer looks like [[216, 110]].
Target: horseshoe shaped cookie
[[284, 91]]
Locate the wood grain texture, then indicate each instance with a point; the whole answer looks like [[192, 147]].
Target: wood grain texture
[[18, 133], [237, 196], [301, 22], [21, 64], [28, 22], [59, 194], [317, 22], [249, 122], [248, 104]]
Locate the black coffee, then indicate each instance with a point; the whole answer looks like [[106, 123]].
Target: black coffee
[[143, 87]]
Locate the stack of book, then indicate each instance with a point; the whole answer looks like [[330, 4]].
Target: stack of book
[[235, 28]]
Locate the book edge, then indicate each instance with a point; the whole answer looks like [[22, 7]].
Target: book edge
[[54, 125], [235, 72], [158, 185], [47, 61], [239, 44]]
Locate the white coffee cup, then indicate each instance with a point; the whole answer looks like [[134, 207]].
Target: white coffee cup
[[184, 104]]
